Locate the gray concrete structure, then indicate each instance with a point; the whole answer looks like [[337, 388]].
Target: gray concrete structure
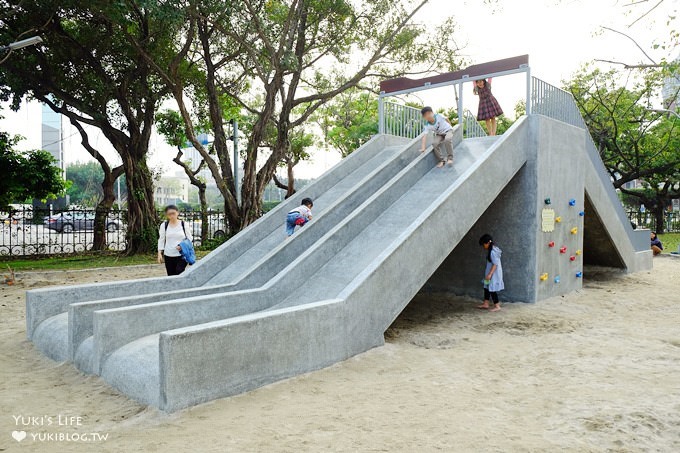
[[387, 224]]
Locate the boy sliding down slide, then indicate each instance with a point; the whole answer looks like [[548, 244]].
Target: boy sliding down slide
[[443, 134], [299, 216]]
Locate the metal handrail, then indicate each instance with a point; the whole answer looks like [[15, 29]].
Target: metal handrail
[[471, 127], [554, 102], [401, 120]]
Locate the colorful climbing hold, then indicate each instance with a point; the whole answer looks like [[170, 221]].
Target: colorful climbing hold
[[572, 202], [547, 201], [563, 249], [582, 213], [579, 274], [544, 277], [558, 219], [572, 258], [578, 252], [551, 244], [574, 230], [557, 279]]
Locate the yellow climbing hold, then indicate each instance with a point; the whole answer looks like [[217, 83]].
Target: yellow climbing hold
[[578, 252], [574, 230], [544, 277], [558, 219]]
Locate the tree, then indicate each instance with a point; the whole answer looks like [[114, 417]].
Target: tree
[[86, 188], [279, 62], [297, 151], [88, 71], [349, 120], [170, 125], [26, 175], [634, 142]]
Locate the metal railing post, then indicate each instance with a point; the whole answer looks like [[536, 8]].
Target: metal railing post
[[381, 115], [461, 113], [528, 98]]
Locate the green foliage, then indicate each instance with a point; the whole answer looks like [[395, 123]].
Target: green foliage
[[212, 243], [349, 120], [300, 141], [634, 142], [86, 183], [91, 68], [171, 126], [27, 175], [273, 64], [269, 205], [670, 241]]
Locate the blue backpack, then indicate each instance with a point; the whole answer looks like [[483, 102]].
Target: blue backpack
[[186, 246]]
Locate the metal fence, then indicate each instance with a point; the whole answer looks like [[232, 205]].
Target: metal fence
[[401, 120], [648, 220], [554, 102], [471, 127], [29, 232]]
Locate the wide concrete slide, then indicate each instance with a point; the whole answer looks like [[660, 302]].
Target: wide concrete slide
[[333, 301], [261, 308], [60, 319]]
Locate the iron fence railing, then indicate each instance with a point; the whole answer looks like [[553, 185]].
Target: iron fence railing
[[31, 231], [648, 220], [401, 120], [554, 102], [471, 127]]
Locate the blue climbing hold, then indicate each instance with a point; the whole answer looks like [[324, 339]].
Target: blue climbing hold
[[572, 202], [579, 274], [582, 213], [557, 279]]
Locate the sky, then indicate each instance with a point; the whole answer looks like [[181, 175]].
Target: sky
[[559, 36]]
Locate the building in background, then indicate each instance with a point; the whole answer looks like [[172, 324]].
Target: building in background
[[52, 141], [52, 137], [670, 90], [193, 157], [171, 190]]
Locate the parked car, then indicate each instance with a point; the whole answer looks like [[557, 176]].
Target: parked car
[[67, 222], [216, 226]]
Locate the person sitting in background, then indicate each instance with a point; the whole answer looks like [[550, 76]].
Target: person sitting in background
[[657, 247]]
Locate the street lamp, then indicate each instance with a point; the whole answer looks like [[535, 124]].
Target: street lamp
[[672, 112], [21, 44]]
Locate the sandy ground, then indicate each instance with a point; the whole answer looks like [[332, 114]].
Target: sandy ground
[[598, 370]]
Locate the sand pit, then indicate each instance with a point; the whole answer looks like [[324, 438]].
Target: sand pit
[[597, 370]]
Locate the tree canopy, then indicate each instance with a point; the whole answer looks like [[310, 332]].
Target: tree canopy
[[274, 64], [88, 70], [27, 175], [634, 141]]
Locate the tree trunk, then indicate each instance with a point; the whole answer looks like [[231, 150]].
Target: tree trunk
[[291, 180], [142, 218], [660, 215], [104, 207], [204, 213]]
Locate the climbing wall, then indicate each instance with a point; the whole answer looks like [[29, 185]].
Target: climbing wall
[[538, 221], [560, 173]]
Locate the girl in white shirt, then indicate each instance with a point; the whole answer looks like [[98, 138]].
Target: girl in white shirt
[[170, 234]]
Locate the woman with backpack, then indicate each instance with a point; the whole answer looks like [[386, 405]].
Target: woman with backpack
[[171, 234]]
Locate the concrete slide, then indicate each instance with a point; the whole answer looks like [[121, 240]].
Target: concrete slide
[[261, 308]]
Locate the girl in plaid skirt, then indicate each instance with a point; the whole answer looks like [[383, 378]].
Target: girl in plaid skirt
[[489, 108]]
